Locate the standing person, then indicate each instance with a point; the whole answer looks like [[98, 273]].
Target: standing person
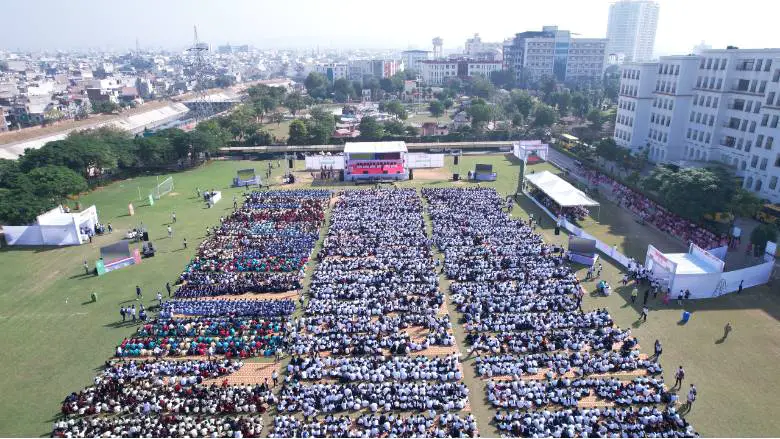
[[739, 290], [211, 352], [625, 279], [132, 312], [634, 294], [123, 313], [679, 376], [197, 189], [726, 330], [680, 297], [644, 313], [86, 267], [275, 377], [110, 229], [598, 272], [173, 217], [658, 349], [138, 295], [168, 284], [235, 203], [185, 243], [691, 396], [170, 232], [159, 298]]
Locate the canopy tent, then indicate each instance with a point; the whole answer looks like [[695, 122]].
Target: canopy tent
[[698, 271], [559, 190]]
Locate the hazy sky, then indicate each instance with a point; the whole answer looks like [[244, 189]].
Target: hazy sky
[[79, 24]]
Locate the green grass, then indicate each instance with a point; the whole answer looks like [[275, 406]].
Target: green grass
[[280, 131], [52, 347]]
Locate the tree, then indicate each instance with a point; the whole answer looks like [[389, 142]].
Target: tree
[[277, 118], [394, 128], [342, 90], [153, 151], [20, 207], [447, 103], [481, 87], [298, 134], [692, 192], [436, 107], [295, 102], [412, 131], [320, 126], [762, 234], [56, 182], [544, 115], [505, 79], [396, 108], [562, 100], [480, 113], [316, 85], [517, 120], [744, 203], [594, 117], [105, 107], [580, 104], [607, 149], [370, 129], [522, 101]]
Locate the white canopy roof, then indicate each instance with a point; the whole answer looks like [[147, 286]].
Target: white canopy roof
[[559, 190], [374, 147]]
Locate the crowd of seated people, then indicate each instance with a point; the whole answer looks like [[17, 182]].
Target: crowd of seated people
[[374, 299], [651, 212], [574, 214], [522, 312], [164, 398], [427, 425], [261, 247]]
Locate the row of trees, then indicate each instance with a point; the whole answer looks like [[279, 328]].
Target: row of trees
[[319, 87], [42, 178]]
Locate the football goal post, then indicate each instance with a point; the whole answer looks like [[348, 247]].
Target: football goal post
[[163, 188]]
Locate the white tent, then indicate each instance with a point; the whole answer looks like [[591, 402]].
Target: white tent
[[559, 190], [55, 227]]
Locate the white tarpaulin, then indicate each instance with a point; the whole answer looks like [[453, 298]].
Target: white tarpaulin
[[319, 162], [563, 193], [417, 160], [525, 148]]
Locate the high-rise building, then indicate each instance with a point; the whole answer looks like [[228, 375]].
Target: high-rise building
[[412, 59], [555, 53], [631, 30], [720, 105]]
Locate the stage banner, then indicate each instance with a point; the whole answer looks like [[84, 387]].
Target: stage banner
[[706, 257]]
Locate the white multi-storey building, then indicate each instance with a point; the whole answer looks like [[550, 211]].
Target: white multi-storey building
[[333, 71], [413, 58], [631, 30], [554, 53], [484, 68], [436, 72], [722, 105]]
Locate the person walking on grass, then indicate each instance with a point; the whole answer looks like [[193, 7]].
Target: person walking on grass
[[173, 217], [138, 295], [132, 312], [726, 330], [634, 294], [275, 377], [185, 243], [644, 313], [658, 349], [86, 267], [170, 232], [168, 284], [679, 376], [159, 298], [123, 313], [692, 393]]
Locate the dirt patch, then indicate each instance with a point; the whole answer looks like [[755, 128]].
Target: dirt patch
[[173, 194], [436, 174]]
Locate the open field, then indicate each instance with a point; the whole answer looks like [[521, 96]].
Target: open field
[[54, 338]]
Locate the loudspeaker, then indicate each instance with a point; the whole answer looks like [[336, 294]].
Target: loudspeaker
[[411, 174], [557, 230], [290, 163], [457, 157], [341, 175], [455, 177]]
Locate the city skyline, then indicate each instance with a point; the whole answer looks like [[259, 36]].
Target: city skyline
[[310, 24]]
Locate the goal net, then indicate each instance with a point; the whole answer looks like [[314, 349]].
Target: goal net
[[165, 187]]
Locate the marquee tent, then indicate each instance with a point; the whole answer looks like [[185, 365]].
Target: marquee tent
[[559, 190]]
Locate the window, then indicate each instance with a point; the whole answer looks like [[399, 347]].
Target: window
[[752, 126], [777, 161], [759, 64], [720, 83], [768, 65], [762, 87], [698, 117], [769, 141], [744, 125], [723, 64], [701, 64], [677, 70], [712, 82], [708, 101], [671, 105], [774, 121], [739, 143], [709, 63], [692, 116], [759, 140], [749, 106], [715, 103], [764, 120], [707, 140], [712, 120], [688, 134], [754, 161], [753, 85], [776, 76], [770, 98], [748, 145], [773, 182], [762, 165], [698, 83], [757, 108]]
